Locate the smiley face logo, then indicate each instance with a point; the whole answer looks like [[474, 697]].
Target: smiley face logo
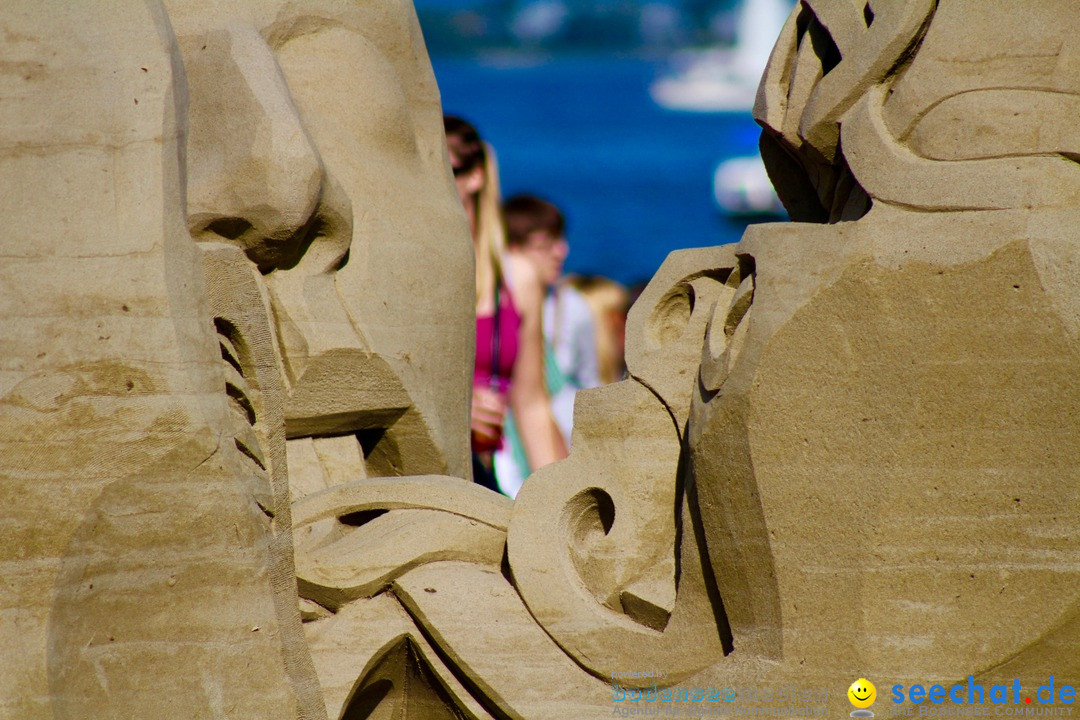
[[862, 693]]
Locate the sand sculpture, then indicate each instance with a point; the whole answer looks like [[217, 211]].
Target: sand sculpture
[[233, 401], [215, 267]]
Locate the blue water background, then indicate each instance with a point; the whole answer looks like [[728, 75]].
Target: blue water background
[[634, 179]]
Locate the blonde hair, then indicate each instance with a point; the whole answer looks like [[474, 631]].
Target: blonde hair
[[490, 229], [469, 151], [609, 302]]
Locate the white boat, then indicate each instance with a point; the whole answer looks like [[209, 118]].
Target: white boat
[[725, 79], [742, 188]]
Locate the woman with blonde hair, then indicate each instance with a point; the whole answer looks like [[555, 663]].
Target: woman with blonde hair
[[609, 302], [509, 369]]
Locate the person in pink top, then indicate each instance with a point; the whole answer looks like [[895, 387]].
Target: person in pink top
[[509, 369]]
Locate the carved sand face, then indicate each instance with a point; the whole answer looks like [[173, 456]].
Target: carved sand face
[[315, 147]]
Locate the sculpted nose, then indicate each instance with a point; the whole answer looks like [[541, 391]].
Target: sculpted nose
[[254, 176]]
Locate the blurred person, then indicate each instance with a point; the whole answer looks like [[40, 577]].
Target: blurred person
[[509, 368], [610, 302], [536, 237]]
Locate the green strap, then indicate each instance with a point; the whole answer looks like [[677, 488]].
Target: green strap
[[554, 378], [512, 440]]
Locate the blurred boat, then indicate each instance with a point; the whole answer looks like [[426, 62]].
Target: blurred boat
[[725, 79], [705, 81], [742, 188]]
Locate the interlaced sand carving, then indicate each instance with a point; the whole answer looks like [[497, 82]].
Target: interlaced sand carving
[[233, 397], [888, 469], [877, 486]]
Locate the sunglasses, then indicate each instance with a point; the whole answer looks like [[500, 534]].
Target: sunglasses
[[467, 166]]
